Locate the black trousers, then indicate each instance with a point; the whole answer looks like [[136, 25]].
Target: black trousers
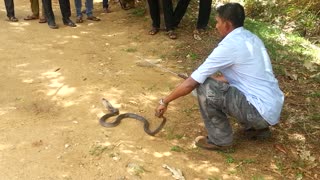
[[9, 7], [204, 12], [154, 8], [105, 4], [64, 8]]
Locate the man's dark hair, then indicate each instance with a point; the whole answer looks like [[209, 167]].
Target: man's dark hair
[[232, 12]]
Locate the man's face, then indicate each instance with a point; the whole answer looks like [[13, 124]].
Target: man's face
[[222, 26]]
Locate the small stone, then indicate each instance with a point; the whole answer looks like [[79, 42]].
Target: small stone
[[75, 122], [66, 146]]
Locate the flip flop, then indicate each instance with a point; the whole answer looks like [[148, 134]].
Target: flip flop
[[172, 34], [31, 17], [42, 20], [93, 18], [154, 31]]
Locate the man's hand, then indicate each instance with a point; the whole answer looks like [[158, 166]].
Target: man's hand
[[160, 110]]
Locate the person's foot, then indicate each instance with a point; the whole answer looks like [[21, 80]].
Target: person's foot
[[68, 22], [13, 19], [53, 25], [172, 34], [153, 31], [197, 34], [31, 17], [257, 134], [93, 18], [42, 20], [79, 19], [107, 10], [203, 142]]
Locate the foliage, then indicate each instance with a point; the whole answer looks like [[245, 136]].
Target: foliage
[[302, 16]]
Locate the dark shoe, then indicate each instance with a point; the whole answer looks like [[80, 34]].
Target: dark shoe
[[93, 18], [203, 142], [53, 25], [31, 17], [258, 134], [13, 19], [68, 22]]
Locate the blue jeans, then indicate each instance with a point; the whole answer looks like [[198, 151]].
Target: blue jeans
[[88, 4]]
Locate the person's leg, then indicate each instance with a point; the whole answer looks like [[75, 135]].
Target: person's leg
[[204, 13], [35, 7], [216, 99], [154, 13], [66, 13], [47, 7], [65, 9], [105, 4], [10, 8], [89, 7], [180, 11], [168, 14], [210, 98], [168, 18], [42, 18], [78, 5]]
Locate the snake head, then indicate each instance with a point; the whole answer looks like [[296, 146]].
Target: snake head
[[109, 106]]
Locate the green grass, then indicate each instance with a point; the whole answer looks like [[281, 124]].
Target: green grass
[[97, 150], [283, 46], [131, 50], [138, 12], [176, 148]]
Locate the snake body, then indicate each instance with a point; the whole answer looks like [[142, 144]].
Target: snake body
[[115, 112]]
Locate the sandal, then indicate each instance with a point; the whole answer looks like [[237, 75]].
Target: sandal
[[93, 18], [42, 20], [31, 17], [79, 20], [153, 31], [172, 34], [13, 19]]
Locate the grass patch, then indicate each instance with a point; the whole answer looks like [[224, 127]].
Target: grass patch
[[97, 150], [131, 50], [138, 12], [176, 149]]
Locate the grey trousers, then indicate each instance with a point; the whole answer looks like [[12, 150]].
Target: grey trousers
[[216, 101]]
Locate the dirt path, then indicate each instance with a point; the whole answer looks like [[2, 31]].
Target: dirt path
[[52, 82]]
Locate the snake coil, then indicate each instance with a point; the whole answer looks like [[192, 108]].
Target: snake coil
[[115, 112]]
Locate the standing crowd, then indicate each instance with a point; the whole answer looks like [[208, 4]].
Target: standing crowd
[[47, 15], [172, 16]]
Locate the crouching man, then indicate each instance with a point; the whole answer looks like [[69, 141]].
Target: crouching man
[[247, 89]]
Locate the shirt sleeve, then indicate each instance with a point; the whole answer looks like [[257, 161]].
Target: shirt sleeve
[[220, 58]]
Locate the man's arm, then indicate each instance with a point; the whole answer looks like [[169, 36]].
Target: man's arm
[[183, 89]]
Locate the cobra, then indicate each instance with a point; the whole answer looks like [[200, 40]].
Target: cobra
[[115, 112]]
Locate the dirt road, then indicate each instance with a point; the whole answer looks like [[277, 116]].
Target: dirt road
[[52, 82]]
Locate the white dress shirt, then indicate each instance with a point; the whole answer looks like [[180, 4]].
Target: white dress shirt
[[243, 60]]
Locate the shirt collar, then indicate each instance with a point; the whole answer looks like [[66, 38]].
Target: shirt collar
[[232, 33]]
